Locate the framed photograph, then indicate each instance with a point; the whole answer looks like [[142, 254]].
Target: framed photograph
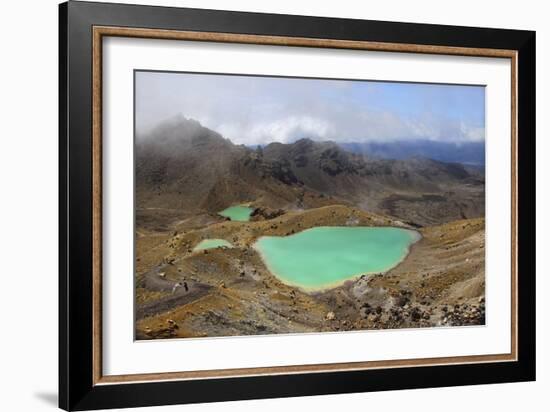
[[257, 205]]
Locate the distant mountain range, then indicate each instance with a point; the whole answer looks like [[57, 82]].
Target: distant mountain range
[[183, 165], [469, 153]]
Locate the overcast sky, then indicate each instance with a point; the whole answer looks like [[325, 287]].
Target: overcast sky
[[258, 110]]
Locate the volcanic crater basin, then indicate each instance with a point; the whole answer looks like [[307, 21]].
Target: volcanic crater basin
[[324, 257]]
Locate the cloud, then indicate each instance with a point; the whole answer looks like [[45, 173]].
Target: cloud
[[258, 110], [284, 130], [473, 134]]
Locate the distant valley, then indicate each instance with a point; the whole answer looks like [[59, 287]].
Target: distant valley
[[466, 153]]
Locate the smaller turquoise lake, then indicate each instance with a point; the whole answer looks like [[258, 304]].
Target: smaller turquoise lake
[[323, 257], [212, 244], [237, 213]]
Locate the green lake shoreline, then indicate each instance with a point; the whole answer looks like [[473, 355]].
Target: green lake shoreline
[[237, 213], [212, 244], [339, 260]]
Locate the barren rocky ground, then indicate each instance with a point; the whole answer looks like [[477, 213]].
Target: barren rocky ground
[[231, 292]]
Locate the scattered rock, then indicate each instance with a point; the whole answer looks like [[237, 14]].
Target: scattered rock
[[401, 300]]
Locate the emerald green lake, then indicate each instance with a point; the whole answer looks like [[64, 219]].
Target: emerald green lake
[[324, 257], [237, 213], [212, 243]]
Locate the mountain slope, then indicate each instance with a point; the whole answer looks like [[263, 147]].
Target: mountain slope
[[186, 168]]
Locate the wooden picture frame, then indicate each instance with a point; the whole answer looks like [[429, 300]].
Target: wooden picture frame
[[82, 385]]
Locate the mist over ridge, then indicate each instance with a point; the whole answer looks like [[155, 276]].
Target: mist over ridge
[[468, 153], [253, 110], [182, 164]]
